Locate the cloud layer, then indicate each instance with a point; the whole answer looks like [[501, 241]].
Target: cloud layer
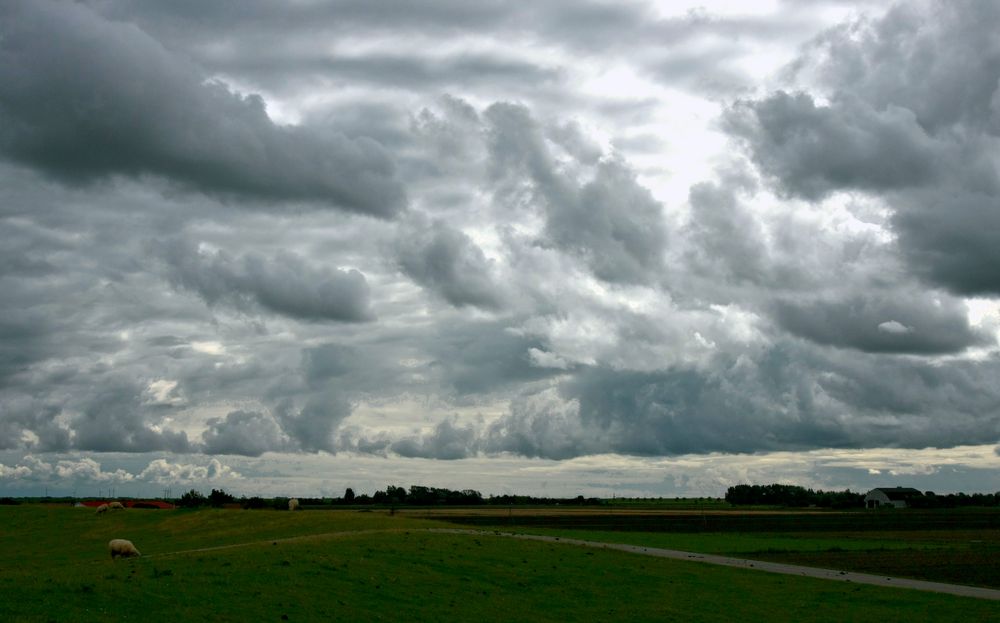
[[512, 235], [116, 102]]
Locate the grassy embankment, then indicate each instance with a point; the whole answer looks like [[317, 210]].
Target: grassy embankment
[[54, 567], [959, 546]]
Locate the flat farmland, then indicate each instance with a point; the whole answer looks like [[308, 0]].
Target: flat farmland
[[234, 565], [956, 546]]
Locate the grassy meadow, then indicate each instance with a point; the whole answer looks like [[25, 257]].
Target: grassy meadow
[[352, 566], [960, 546]]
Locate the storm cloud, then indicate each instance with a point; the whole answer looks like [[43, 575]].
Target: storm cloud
[[313, 246], [911, 117], [86, 98], [450, 264], [283, 284], [243, 432], [610, 222]]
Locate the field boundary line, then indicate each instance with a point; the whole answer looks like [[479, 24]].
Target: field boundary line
[[756, 565]]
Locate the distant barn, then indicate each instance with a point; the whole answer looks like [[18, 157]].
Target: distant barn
[[897, 497]]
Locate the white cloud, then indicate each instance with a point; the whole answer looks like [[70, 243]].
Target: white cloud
[[162, 471], [894, 327], [89, 470], [14, 473], [544, 359]]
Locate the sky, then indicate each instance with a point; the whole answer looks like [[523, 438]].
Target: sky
[[558, 248]]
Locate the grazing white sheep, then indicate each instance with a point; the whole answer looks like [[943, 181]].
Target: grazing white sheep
[[122, 548], [116, 506], [103, 508], [293, 504]]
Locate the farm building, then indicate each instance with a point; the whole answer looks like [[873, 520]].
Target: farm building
[[898, 497]]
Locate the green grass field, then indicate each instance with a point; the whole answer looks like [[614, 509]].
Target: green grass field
[[352, 566], [960, 546]]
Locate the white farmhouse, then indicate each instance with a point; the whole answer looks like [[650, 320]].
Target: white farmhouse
[[898, 497]]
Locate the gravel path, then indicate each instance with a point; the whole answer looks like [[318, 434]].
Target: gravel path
[[772, 567]]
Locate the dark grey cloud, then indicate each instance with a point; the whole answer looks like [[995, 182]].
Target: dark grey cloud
[[322, 363], [911, 116], [37, 415], [248, 433], [478, 357], [24, 339], [812, 150], [611, 222], [313, 425], [448, 441], [114, 419], [589, 29], [542, 425], [883, 322], [369, 368], [88, 99], [725, 239], [448, 263], [785, 398], [935, 58], [394, 71], [684, 410], [284, 284], [949, 236], [574, 140]]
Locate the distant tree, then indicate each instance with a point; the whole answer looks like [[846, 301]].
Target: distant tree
[[396, 495], [349, 495], [192, 499], [254, 502], [792, 495], [218, 497]]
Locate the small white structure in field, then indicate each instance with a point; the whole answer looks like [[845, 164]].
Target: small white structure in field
[[122, 548], [103, 508], [894, 497], [293, 504], [116, 506]]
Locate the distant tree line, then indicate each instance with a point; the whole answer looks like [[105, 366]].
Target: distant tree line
[[792, 496], [739, 495], [955, 500], [795, 496], [392, 495]]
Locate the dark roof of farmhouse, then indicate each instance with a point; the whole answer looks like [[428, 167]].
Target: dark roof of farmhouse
[[898, 493]]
